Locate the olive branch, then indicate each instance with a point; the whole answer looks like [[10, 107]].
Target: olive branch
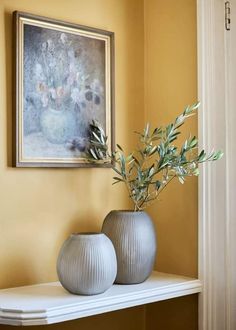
[[149, 169]]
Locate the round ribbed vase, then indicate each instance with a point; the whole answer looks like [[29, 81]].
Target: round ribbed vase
[[134, 240], [87, 263]]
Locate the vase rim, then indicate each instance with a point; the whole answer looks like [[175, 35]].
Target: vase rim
[[128, 211], [86, 234]]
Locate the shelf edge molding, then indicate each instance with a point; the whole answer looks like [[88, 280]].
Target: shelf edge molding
[[49, 303]]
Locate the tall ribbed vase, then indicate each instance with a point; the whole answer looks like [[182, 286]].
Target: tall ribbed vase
[[134, 240], [87, 263]]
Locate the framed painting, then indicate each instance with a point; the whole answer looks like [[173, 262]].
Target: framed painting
[[64, 80]]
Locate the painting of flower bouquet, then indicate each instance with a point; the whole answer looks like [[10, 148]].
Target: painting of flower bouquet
[[64, 75]]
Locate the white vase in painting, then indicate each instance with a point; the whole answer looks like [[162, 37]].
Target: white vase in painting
[[58, 126]]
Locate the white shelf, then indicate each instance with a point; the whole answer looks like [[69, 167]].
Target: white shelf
[[49, 303]]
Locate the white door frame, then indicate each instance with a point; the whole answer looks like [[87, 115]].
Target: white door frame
[[214, 124]]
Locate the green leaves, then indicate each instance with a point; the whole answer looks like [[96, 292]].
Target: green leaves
[[149, 169], [217, 155], [97, 149], [117, 180], [146, 130], [119, 147], [214, 155]]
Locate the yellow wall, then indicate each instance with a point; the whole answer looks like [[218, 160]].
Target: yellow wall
[[170, 84], [41, 207]]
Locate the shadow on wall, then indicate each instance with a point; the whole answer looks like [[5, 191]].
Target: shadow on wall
[[19, 271], [178, 314]]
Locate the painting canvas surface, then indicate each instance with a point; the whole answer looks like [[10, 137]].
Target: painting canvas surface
[[64, 89]]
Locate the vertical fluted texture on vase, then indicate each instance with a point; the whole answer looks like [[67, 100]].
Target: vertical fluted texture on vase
[[87, 264], [134, 240]]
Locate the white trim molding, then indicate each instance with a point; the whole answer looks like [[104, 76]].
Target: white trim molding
[[214, 230], [230, 69]]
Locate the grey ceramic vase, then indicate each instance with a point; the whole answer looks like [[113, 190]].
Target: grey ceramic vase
[[87, 263], [134, 240]]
